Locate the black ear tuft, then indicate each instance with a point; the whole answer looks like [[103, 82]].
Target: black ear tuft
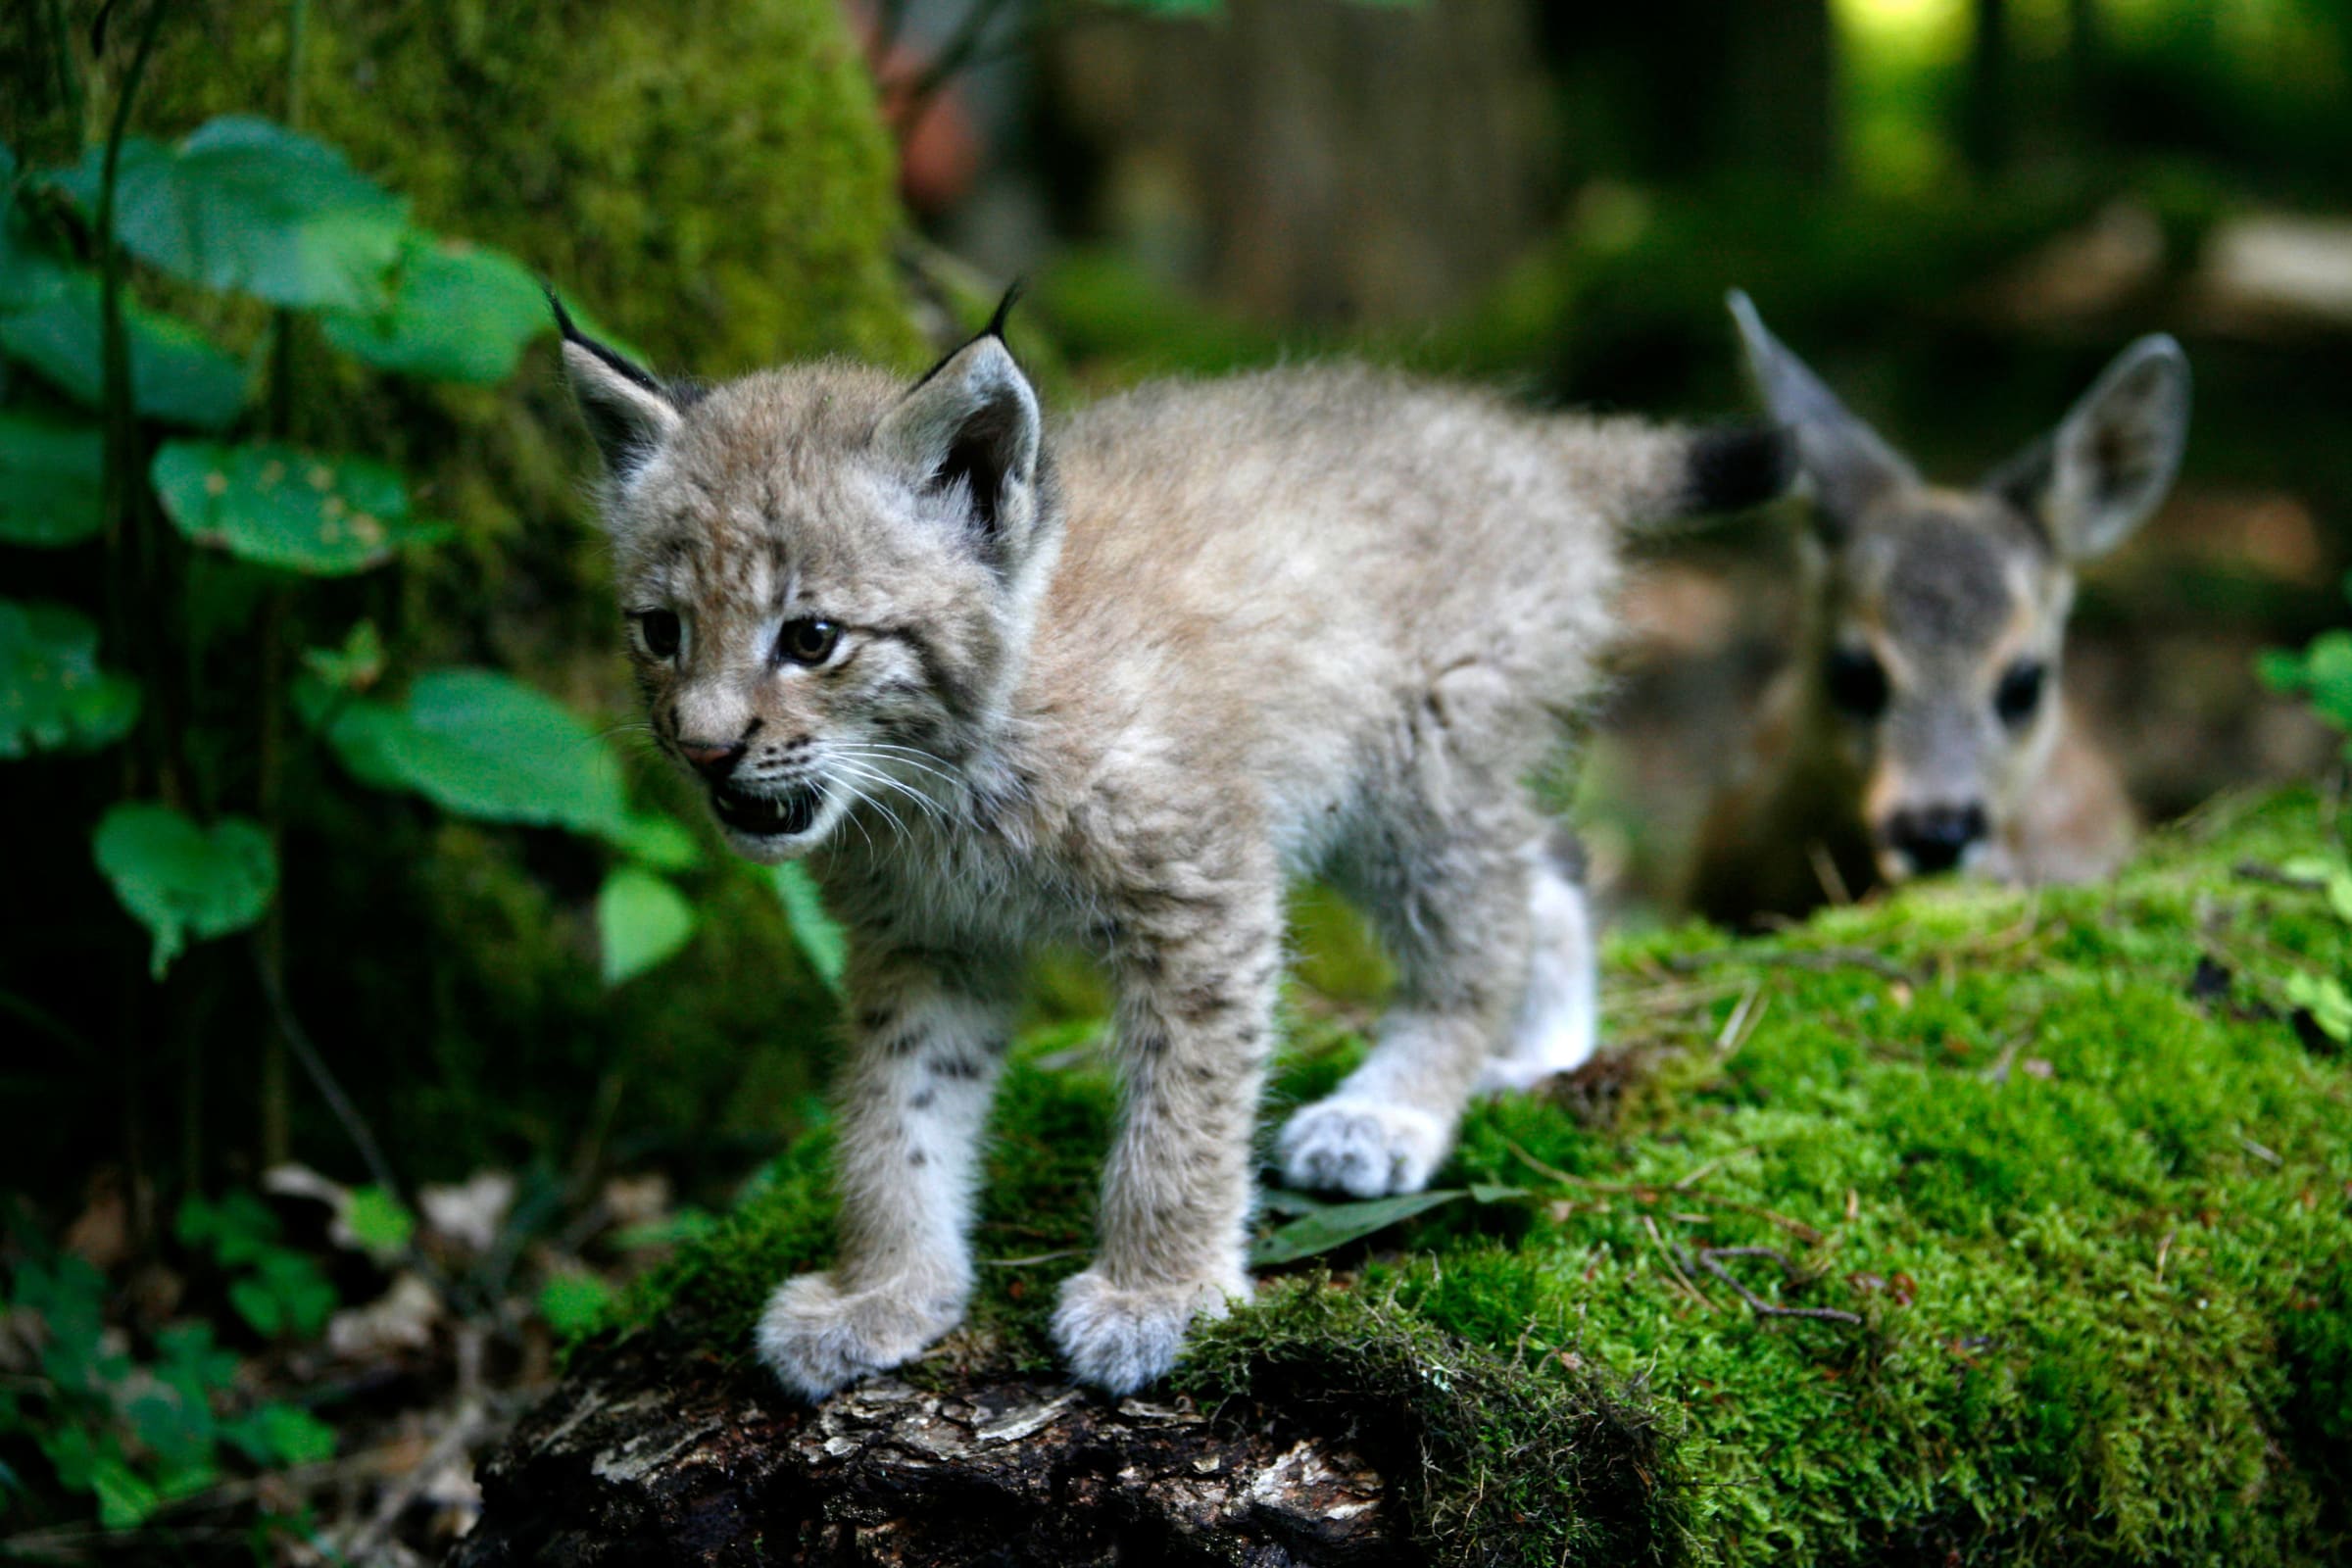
[[1739, 465], [1003, 312], [629, 412]]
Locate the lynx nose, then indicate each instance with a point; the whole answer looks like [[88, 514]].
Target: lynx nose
[[713, 763], [1934, 838]]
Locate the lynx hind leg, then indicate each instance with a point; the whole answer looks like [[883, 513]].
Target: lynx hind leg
[[1456, 923], [1559, 1016]]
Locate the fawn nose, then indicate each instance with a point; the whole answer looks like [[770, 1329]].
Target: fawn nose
[[1934, 837], [713, 763]]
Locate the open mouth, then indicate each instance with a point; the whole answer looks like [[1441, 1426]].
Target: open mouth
[[786, 814]]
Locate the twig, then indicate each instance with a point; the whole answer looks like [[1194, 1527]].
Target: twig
[[1822, 961], [1651, 1192], [2256, 871], [1825, 870], [1733, 1033], [2270, 1155], [1702, 1172], [1998, 1072], [1033, 1259], [1711, 1259], [371, 1154], [1674, 1268], [464, 1426]]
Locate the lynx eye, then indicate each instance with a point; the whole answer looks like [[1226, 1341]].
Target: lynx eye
[[661, 630], [2020, 691], [1857, 682], [807, 642]]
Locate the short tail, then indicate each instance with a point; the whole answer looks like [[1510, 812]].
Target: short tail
[[1668, 473]]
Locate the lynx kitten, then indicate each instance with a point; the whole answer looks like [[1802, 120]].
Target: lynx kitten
[[1109, 682]]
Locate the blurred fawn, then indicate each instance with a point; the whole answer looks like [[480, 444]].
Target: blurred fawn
[[1920, 726]]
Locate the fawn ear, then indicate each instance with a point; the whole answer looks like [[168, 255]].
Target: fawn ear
[[973, 427], [629, 412], [2112, 458], [1843, 460]]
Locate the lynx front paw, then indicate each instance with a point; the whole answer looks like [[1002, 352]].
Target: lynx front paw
[[1365, 1147], [1120, 1339], [815, 1338]]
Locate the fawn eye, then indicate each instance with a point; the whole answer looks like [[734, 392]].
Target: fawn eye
[[661, 630], [2020, 691], [1857, 682], [807, 642]]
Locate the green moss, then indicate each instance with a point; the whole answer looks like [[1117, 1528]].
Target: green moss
[[2095, 1231]]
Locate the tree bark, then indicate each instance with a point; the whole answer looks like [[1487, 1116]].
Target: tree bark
[[653, 1457]]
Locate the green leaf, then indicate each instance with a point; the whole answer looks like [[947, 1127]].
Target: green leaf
[[1342, 1223], [243, 206], [2327, 677], [278, 506], [125, 1502], [379, 1222], [286, 1294], [641, 920], [355, 666], [271, 1435], [484, 745], [456, 312], [661, 842], [574, 1304], [2324, 998], [179, 880], [50, 480], [176, 375], [238, 1230], [818, 934], [53, 696]]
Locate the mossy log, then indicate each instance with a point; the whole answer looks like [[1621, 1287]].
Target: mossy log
[[1970, 1226]]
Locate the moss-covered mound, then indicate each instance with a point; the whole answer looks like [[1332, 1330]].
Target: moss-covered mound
[[2067, 1187]]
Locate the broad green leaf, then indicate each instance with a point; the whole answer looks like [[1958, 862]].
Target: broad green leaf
[[53, 696], [2325, 677], [238, 1230], [817, 933], [50, 481], [176, 377], [278, 506], [125, 1501], [641, 920], [2326, 999], [355, 666], [286, 1293], [186, 1358], [1342, 1223], [247, 206], [659, 842], [456, 312], [574, 1304], [484, 745], [180, 880], [379, 1222], [273, 1435]]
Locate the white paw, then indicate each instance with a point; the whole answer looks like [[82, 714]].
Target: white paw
[[1120, 1339], [815, 1339], [1365, 1147]]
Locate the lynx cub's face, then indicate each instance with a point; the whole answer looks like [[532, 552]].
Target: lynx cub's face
[[827, 575]]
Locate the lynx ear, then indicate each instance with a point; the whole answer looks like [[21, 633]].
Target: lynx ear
[[973, 422], [629, 412], [1845, 463], [2112, 459]]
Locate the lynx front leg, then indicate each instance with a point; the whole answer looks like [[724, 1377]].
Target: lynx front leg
[[1194, 1029], [912, 1100]]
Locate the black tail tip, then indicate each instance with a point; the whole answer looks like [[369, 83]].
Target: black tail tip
[[1740, 465]]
